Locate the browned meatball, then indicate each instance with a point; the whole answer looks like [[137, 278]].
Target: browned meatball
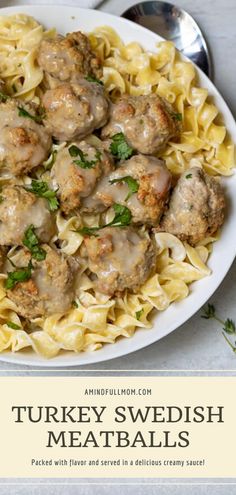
[[24, 143], [18, 210], [66, 57], [119, 259], [50, 288], [75, 178], [74, 110], [152, 182], [196, 208], [148, 122]]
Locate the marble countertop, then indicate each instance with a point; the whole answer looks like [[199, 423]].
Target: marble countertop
[[198, 344]]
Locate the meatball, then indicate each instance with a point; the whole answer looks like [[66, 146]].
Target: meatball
[[24, 143], [66, 57], [119, 259], [18, 210], [196, 208], [152, 182], [73, 179], [74, 110], [148, 122], [50, 288]]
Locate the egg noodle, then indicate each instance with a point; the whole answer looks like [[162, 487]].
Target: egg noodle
[[95, 318]]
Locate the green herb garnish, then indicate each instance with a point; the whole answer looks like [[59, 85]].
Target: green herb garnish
[[132, 184], [3, 97], [12, 325], [178, 116], [50, 161], [228, 325], [20, 275], [83, 162], [89, 230], [1, 198], [119, 147], [41, 189], [139, 313], [32, 243], [122, 218], [75, 304], [23, 113], [189, 176], [94, 79], [74, 151]]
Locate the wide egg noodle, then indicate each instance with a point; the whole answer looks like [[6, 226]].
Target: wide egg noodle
[[96, 319], [20, 36]]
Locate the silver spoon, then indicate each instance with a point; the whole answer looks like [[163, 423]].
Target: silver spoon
[[174, 24]]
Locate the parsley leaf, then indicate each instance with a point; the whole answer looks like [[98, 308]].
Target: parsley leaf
[[32, 243], [189, 176], [24, 113], [75, 151], [119, 147], [89, 230], [41, 189], [94, 79], [138, 314], [20, 275], [12, 325], [122, 218], [178, 116], [83, 162], [3, 97], [50, 161], [132, 184]]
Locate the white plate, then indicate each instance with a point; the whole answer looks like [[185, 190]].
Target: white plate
[[67, 19]]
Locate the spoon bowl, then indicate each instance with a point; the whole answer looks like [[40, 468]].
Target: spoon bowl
[[176, 25]]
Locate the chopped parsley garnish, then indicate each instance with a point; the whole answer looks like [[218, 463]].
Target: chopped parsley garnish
[[12, 325], [3, 97], [24, 113], [19, 275], [32, 243], [75, 304], [139, 313], [83, 162], [41, 189], [132, 184], [94, 79], [50, 161], [178, 116], [74, 151], [189, 176], [119, 147], [122, 218]]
